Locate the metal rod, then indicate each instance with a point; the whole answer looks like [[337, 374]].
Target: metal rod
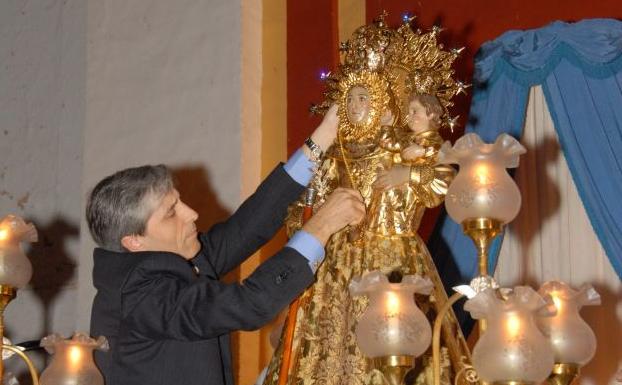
[[31, 367], [482, 231], [436, 337], [7, 293]]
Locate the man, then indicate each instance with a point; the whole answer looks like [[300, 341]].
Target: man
[[159, 298]]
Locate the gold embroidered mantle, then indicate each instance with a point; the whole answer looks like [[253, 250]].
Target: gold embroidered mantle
[[324, 348]]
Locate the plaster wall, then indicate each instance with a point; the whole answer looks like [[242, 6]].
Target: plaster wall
[[163, 86], [42, 105], [88, 88]]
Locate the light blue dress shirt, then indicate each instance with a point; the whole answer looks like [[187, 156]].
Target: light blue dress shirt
[[300, 168]]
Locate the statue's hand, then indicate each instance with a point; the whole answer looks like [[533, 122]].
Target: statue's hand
[[396, 176], [413, 152]]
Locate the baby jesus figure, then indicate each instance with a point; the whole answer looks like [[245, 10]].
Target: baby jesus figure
[[419, 146]]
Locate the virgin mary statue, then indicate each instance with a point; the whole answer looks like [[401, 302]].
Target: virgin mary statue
[[393, 89]]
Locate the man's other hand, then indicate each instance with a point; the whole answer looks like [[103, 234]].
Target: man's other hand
[[342, 207]]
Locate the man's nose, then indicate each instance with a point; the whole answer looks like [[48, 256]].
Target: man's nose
[[189, 213]]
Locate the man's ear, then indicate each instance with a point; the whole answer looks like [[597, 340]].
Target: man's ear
[[133, 243]]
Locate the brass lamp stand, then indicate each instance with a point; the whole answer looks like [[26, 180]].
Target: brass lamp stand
[[513, 383], [394, 368], [7, 293], [563, 374], [481, 231]]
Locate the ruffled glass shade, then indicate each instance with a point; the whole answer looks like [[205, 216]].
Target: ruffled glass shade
[[482, 188], [512, 348], [392, 324], [73, 362], [15, 267], [572, 339]]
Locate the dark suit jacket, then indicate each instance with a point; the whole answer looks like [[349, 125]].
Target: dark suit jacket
[[168, 325]]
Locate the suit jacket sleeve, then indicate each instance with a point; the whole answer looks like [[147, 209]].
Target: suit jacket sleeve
[[162, 299], [255, 222]]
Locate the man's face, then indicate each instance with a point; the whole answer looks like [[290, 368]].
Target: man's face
[[171, 227], [358, 105]]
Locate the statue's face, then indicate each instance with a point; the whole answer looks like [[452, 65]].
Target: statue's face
[[358, 105], [418, 118]]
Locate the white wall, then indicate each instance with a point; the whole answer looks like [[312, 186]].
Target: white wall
[[163, 86], [42, 98], [87, 88]]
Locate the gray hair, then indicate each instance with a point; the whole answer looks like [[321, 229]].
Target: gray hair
[[120, 204]]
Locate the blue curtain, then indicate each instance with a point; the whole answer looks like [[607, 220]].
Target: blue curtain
[[579, 66]]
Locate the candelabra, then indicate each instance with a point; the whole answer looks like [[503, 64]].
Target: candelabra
[[526, 337], [77, 366], [15, 272]]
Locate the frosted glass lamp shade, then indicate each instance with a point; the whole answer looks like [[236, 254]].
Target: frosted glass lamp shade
[[572, 339], [392, 324], [73, 362], [483, 188], [15, 267], [512, 348]]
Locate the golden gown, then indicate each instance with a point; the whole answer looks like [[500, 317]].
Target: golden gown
[[324, 346]]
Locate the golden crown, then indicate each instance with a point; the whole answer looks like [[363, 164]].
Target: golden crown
[[411, 61]]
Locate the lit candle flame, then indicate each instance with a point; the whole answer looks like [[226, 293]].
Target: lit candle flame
[[393, 304], [4, 234], [513, 325], [557, 301], [482, 174], [75, 356]]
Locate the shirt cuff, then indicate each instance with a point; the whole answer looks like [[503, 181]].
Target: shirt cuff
[[300, 168], [310, 248]]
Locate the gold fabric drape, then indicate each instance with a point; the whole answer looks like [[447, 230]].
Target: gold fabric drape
[[324, 349]]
